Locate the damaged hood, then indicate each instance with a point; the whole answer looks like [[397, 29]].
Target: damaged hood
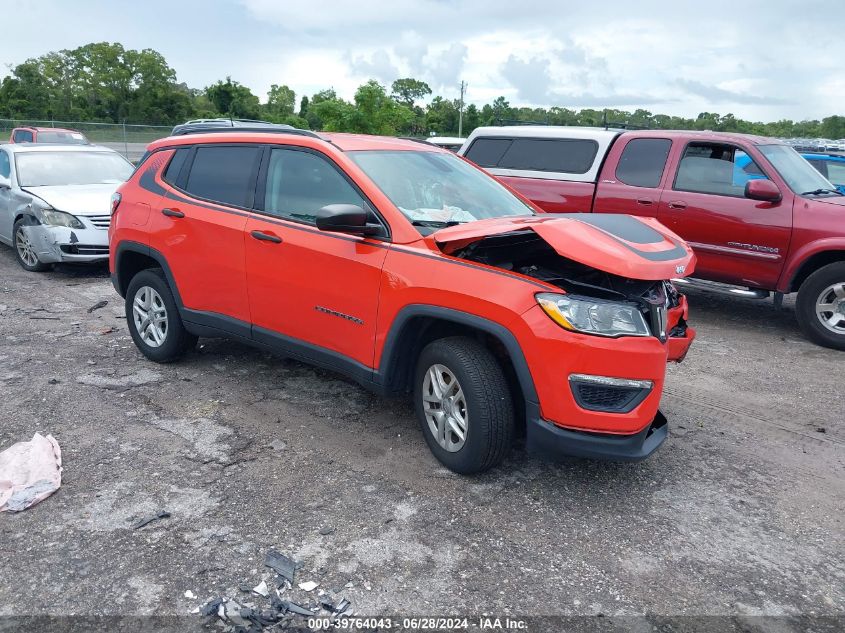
[[77, 199], [623, 245]]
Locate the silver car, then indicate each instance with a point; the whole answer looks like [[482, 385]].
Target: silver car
[[55, 201]]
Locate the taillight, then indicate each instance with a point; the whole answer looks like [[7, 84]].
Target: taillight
[[115, 201]]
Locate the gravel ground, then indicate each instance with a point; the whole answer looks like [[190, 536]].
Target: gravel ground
[[739, 514]]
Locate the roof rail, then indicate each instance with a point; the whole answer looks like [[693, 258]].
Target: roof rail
[[280, 129]]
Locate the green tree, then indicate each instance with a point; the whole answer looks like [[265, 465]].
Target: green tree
[[281, 102], [232, 99], [408, 91]]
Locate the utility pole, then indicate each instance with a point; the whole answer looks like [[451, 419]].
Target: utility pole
[[461, 109]]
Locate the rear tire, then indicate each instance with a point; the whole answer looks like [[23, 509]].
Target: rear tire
[[463, 404], [153, 318], [820, 307], [25, 251]]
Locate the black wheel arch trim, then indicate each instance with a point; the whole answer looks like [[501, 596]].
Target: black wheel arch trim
[[143, 249], [391, 353]]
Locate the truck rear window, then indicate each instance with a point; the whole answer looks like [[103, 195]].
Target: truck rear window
[[642, 162], [555, 155]]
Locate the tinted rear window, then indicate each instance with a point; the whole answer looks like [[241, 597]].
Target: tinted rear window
[[224, 174], [642, 162], [486, 152], [566, 155]]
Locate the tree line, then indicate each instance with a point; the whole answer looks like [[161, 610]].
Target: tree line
[[104, 82]]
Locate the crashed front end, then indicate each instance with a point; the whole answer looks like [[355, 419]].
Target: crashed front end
[[82, 239], [598, 340]]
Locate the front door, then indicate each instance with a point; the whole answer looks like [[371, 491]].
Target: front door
[[307, 286], [736, 240]]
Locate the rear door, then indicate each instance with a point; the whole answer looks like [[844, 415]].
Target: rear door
[[308, 287], [635, 186], [198, 225], [736, 240]]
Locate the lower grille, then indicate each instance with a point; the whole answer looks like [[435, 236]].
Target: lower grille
[[607, 398], [84, 249], [100, 221]]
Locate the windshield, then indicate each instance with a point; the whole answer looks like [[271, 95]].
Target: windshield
[[434, 189], [800, 175], [43, 169], [67, 138]]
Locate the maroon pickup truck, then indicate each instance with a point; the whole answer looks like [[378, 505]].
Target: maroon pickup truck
[[758, 216]]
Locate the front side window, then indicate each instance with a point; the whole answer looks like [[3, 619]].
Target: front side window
[[37, 169], [224, 174], [300, 183], [716, 168], [796, 171], [642, 162], [435, 189], [5, 165]]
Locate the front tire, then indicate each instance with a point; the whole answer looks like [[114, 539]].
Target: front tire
[[25, 251], [463, 404], [153, 318], [820, 306]]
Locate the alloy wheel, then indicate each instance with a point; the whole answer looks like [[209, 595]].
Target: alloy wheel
[[445, 408], [149, 315], [26, 251], [830, 308]]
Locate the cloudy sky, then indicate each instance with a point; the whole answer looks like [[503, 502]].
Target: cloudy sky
[[760, 59]]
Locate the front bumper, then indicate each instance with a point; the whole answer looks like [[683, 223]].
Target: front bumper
[[61, 244], [550, 440], [598, 397]]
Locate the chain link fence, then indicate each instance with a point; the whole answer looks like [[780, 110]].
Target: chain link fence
[[129, 139]]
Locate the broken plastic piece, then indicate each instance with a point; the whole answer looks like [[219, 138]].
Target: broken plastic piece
[[295, 608], [342, 606], [162, 514], [261, 589], [308, 585], [97, 306], [190, 595], [281, 564], [211, 608], [325, 531]]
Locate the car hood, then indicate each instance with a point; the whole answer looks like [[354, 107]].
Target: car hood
[[77, 199], [624, 245], [838, 201]]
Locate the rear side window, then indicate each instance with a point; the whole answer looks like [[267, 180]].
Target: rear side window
[[177, 161], [836, 172], [23, 136], [299, 183], [566, 155], [642, 162], [224, 174]]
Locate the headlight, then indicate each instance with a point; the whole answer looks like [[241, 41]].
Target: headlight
[[60, 218], [594, 316]]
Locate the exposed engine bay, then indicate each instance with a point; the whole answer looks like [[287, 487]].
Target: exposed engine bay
[[526, 253]]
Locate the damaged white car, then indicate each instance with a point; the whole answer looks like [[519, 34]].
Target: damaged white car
[[55, 202]]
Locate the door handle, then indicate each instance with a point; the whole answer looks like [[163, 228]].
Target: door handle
[[645, 201], [680, 205], [266, 237], [173, 213]]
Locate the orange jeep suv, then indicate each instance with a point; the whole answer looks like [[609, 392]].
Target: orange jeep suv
[[409, 270]]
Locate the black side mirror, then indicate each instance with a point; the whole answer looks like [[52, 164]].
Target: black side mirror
[[346, 218]]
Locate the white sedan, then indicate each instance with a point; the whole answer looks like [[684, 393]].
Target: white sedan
[[55, 201]]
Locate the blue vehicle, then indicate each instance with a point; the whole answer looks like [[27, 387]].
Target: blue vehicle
[[831, 166]]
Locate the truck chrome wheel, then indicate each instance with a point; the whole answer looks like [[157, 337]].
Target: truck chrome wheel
[[26, 251], [445, 408], [149, 314], [830, 308]]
